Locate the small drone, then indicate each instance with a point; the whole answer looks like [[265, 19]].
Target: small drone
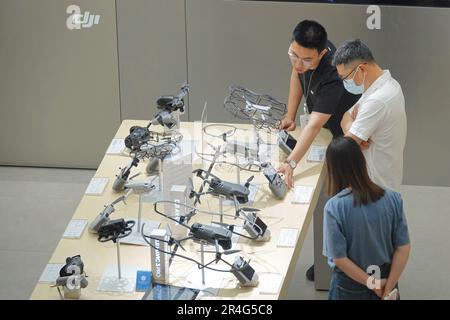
[[72, 278], [239, 194], [219, 235], [165, 117], [124, 181], [115, 229], [217, 187], [141, 139], [168, 105], [263, 110]]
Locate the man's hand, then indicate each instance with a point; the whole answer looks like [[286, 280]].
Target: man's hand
[[287, 124], [380, 292], [288, 174], [354, 112], [365, 144]]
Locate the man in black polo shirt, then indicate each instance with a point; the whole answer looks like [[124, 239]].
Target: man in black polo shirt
[[326, 99]]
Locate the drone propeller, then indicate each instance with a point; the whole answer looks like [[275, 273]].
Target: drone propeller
[[248, 209], [247, 184], [192, 193], [172, 240], [178, 242], [134, 176], [226, 252]]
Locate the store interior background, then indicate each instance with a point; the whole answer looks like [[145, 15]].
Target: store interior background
[[64, 93]]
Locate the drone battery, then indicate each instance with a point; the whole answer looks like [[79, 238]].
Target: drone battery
[[159, 259], [245, 273]]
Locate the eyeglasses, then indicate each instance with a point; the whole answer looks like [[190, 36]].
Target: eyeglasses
[[345, 78], [295, 59]]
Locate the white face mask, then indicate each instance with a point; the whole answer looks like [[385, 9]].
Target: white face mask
[[352, 87]]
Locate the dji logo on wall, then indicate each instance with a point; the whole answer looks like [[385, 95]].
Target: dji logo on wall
[[76, 20]]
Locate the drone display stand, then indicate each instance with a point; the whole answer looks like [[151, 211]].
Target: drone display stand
[[135, 237], [202, 248], [221, 208], [257, 139], [139, 214], [116, 281], [238, 170], [118, 260], [157, 194]]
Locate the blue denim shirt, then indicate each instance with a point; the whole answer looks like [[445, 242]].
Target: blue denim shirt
[[368, 234]]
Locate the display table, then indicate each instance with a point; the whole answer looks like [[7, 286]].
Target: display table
[[266, 257]]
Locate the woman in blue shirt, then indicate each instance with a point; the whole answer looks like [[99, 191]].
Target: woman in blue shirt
[[366, 237]]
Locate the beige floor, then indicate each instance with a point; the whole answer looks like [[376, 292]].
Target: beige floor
[[36, 204]]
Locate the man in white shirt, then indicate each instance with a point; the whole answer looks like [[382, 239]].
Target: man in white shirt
[[378, 120]]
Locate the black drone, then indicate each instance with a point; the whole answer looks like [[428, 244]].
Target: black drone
[[115, 229]]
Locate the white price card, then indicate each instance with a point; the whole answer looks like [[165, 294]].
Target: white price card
[[317, 154], [116, 146], [96, 186], [302, 194], [287, 237], [269, 283], [75, 228], [51, 272]]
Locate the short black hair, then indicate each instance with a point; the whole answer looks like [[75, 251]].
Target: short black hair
[[310, 34]]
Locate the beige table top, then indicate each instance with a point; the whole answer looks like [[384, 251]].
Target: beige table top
[[265, 257]]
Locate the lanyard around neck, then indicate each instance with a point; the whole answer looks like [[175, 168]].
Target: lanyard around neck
[[305, 106]]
